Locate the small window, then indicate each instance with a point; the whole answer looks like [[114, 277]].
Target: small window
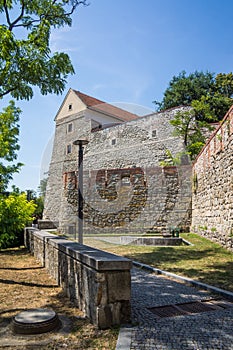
[[125, 180], [70, 107], [70, 127], [153, 133], [68, 149], [113, 142]]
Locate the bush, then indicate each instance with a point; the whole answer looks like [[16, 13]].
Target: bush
[[15, 213]]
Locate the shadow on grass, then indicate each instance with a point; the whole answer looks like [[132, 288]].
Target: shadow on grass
[[21, 268], [14, 251], [27, 284]]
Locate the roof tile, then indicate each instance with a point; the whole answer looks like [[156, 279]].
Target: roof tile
[[103, 107]]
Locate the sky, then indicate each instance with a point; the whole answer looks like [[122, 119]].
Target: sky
[[126, 51]]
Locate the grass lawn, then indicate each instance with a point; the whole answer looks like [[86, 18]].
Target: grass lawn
[[204, 261]]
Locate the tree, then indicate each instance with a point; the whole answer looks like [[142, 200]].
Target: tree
[[214, 93], [38, 200], [15, 213], [9, 132], [182, 89], [209, 96], [26, 59], [191, 130], [42, 187]]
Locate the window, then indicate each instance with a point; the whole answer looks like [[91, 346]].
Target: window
[[113, 142], [153, 133], [70, 107], [125, 180], [70, 127], [68, 149]]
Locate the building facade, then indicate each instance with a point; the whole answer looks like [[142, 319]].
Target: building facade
[[125, 188]]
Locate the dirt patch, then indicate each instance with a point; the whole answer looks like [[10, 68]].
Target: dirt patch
[[25, 284]]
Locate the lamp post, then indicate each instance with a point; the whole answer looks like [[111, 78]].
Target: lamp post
[[80, 143]]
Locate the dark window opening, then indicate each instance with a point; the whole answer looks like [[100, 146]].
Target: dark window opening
[[113, 142], [70, 127], [154, 133], [68, 149], [70, 107]]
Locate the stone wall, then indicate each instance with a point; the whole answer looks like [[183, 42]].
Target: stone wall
[[212, 208], [125, 189], [136, 200], [98, 282]]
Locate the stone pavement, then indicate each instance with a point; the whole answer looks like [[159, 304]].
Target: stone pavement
[[201, 331]]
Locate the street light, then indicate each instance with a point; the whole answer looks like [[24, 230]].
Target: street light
[[80, 143]]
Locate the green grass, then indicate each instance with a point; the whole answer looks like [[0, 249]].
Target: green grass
[[204, 261]]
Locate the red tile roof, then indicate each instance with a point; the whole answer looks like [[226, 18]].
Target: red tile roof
[[103, 107]]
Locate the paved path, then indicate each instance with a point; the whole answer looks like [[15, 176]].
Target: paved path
[[203, 331]]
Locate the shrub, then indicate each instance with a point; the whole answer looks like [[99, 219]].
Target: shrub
[[15, 213]]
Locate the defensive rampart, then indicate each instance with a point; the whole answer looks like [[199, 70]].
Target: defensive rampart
[[212, 202]]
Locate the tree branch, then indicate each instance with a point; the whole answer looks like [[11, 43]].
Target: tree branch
[[19, 17], [7, 13], [45, 15], [8, 91]]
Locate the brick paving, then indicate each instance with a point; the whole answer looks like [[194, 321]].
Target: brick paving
[[202, 331]]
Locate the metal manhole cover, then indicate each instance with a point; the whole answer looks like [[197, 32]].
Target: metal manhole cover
[[35, 321], [190, 308]]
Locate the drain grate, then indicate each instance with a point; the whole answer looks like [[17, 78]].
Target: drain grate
[[190, 308]]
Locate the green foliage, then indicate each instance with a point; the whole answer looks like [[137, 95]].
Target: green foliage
[[26, 61], [9, 132], [172, 160], [182, 89], [15, 213], [39, 202], [191, 127], [42, 187], [210, 95], [25, 56]]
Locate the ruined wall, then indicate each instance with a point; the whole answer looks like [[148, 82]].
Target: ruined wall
[[125, 189], [135, 200], [212, 208]]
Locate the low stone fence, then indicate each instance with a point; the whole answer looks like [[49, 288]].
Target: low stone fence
[[98, 282]]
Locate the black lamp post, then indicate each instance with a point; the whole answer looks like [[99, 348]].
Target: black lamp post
[[80, 143]]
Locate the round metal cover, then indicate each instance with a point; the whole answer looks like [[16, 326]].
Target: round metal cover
[[35, 321]]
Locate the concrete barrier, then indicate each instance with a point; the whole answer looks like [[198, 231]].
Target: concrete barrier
[[98, 282]]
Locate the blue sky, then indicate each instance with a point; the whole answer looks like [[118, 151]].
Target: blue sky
[[127, 51]]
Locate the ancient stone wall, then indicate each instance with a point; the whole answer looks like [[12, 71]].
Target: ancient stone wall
[[98, 282], [125, 189], [212, 208]]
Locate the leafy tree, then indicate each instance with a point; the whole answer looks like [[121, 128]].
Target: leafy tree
[[42, 187], [15, 213], [25, 56], [39, 201], [209, 96], [26, 61], [191, 130], [182, 89], [214, 94], [9, 132]]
